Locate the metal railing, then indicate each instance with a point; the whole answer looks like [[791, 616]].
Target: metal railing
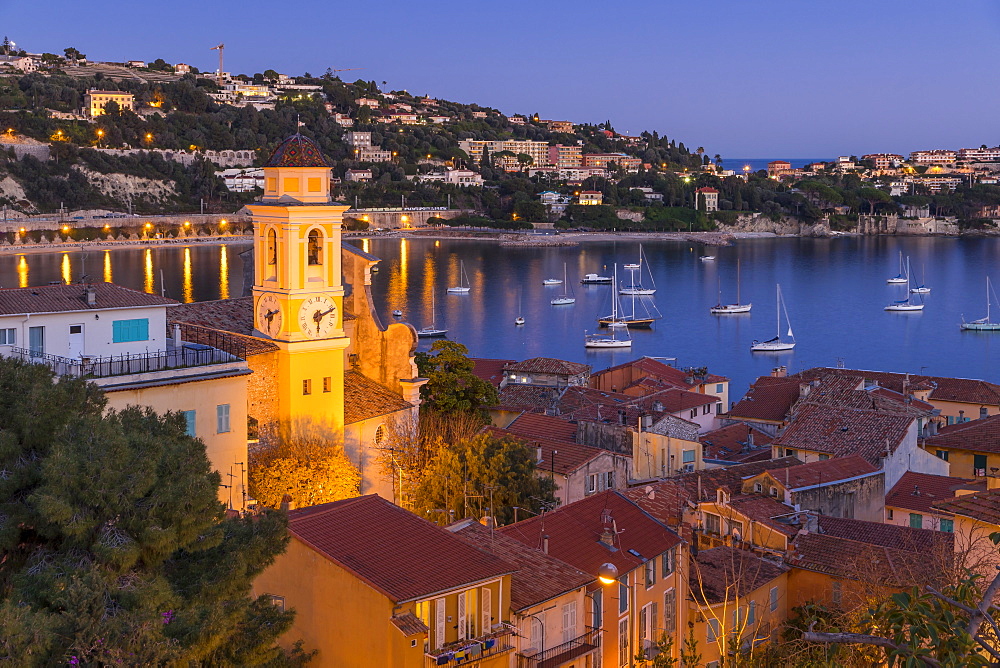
[[189, 355], [560, 654], [218, 339], [475, 649]]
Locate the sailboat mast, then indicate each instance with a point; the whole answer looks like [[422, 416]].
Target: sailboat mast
[[777, 311], [737, 282]]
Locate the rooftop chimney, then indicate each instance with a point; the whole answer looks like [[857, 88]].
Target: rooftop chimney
[[287, 503], [545, 544], [91, 294]]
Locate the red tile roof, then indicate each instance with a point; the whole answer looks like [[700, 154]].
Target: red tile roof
[[920, 491], [735, 442], [559, 457], [981, 506], [859, 560], [65, 298], [763, 509], [768, 399], [659, 372], [533, 398], [489, 370], [981, 435], [720, 573], [844, 431], [963, 390], [533, 425], [549, 365], [395, 552], [539, 577], [884, 535], [365, 399], [231, 315], [575, 532], [823, 472]]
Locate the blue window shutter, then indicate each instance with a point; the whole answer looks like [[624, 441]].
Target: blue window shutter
[[124, 331], [189, 417]]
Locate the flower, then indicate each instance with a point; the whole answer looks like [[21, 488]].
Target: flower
[[168, 616]]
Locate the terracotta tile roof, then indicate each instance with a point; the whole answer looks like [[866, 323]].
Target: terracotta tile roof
[[231, 315], [823, 472], [852, 391], [733, 443], [718, 574], [539, 577], [844, 431], [489, 370], [533, 425], [409, 624], [981, 506], [65, 298], [365, 399], [670, 497], [575, 531], [884, 535], [768, 399], [963, 390], [763, 509], [859, 560], [558, 456], [585, 403], [549, 365], [392, 550], [920, 491], [533, 398], [675, 401], [661, 373], [981, 435]]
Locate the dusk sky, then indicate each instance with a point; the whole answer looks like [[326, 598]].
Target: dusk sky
[[782, 78]]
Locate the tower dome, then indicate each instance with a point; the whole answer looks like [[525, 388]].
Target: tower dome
[[297, 151]]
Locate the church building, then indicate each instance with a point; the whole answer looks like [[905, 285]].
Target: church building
[[321, 356]]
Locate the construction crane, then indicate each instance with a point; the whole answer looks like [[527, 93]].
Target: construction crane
[[346, 69], [220, 48]]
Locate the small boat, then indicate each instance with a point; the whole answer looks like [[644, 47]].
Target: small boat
[[635, 287], [706, 258], [731, 309], [921, 289], [463, 281], [595, 279], [905, 305], [432, 331], [567, 296], [397, 313], [552, 281], [618, 337], [983, 324], [776, 344], [634, 319], [900, 277], [519, 320]]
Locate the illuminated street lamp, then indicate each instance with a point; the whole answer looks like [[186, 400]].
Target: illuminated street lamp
[[149, 137], [100, 136], [607, 573]]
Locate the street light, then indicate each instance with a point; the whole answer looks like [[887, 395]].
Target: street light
[[149, 136], [607, 573]]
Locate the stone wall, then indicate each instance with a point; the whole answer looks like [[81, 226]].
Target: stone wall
[[244, 158], [393, 219], [613, 437], [861, 499], [39, 151]]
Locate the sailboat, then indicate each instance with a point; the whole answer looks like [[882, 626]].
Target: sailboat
[[984, 324], [431, 331], [567, 296], [633, 319], [463, 281], [551, 281], [619, 336], [921, 289], [519, 320], [776, 344], [727, 309], [900, 277], [905, 305], [636, 287]]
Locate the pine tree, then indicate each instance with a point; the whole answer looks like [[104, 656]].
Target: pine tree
[[485, 162], [116, 548]]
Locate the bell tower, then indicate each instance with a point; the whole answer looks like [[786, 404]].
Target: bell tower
[[298, 290]]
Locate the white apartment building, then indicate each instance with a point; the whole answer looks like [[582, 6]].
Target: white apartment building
[[934, 157], [538, 150], [981, 154], [884, 160], [372, 154], [242, 180], [458, 177]]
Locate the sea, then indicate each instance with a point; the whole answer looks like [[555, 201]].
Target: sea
[[757, 164], [835, 291]]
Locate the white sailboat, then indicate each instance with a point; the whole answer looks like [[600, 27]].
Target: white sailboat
[[463, 281], [428, 332], [618, 337], [905, 305], [921, 289], [635, 287], [519, 320], [776, 344], [567, 296], [551, 281], [730, 309], [984, 324], [900, 277]]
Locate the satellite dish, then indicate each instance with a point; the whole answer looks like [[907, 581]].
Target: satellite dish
[[650, 494]]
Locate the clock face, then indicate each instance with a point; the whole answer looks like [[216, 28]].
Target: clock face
[[269, 315], [318, 317]]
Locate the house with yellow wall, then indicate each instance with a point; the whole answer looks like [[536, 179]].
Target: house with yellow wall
[[971, 448], [742, 519], [737, 602], [913, 500], [647, 375], [976, 516], [664, 448], [374, 585]]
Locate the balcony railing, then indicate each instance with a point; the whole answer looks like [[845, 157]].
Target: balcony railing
[[467, 652], [188, 355], [564, 653]]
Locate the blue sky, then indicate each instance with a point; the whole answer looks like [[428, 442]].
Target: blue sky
[[758, 78]]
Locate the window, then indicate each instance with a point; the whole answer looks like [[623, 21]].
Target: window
[[735, 529], [8, 337], [979, 465], [823, 458], [327, 383], [948, 525], [535, 637], [379, 434], [670, 612], [718, 408], [610, 480], [124, 331], [718, 388], [272, 243], [222, 419], [758, 487], [291, 184], [705, 410], [888, 513], [278, 602], [314, 184], [623, 654], [789, 452], [752, 613], [598, 603], [694, 413], [650, 572], [623, 595], [315, 248], [687, 456], [713, 523], [73, 329], [712, 633], [774, 491], [189, 422], [942, 454], [307, 386], [774, 599], [591, 483], [667, 563], [916, 521], [712, 664]]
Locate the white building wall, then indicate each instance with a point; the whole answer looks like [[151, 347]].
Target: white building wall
[[909, 457]]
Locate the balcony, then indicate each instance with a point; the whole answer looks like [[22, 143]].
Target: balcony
[[186, 356], [473, 651], [564, 653]]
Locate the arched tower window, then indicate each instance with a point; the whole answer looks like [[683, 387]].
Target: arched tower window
[[272, 247], [315, 249]]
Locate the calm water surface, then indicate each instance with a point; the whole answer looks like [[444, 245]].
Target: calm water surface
[[834, 289]]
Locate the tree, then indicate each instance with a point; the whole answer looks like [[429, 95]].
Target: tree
[[116, 548], [270, 75], [469, 476], [305, 460], [873, 196], [451, 386], [74, 54]]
